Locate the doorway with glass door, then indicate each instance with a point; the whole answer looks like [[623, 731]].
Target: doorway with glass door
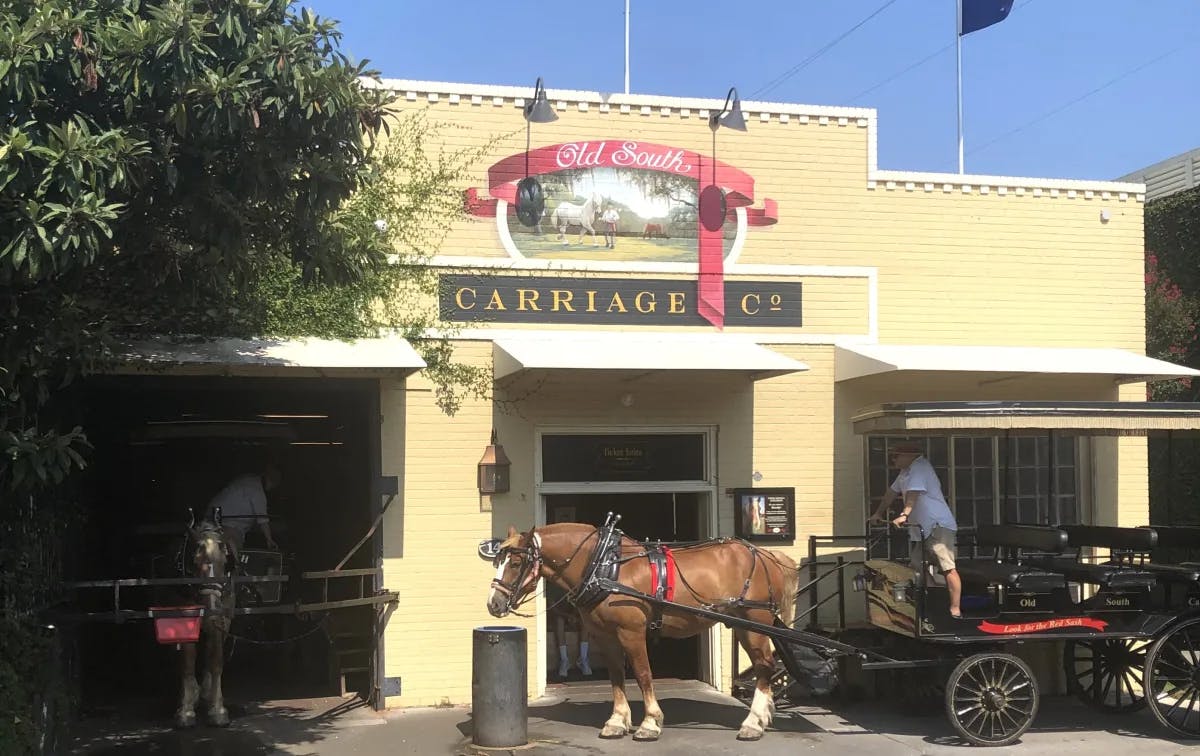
[[656, 516]]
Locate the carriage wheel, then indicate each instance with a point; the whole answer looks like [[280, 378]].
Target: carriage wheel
[[1173, 679], [991, 699], [1107, 674]]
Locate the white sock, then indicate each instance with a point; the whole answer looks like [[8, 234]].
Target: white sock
[[562, 654], [583, 653]]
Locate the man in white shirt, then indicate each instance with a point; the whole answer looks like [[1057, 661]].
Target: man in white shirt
[[924, 506], [243, 505]]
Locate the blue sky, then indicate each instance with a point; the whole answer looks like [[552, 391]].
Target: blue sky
[[1020, 77]]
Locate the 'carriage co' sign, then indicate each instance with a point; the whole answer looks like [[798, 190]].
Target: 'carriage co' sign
[[612, 301]]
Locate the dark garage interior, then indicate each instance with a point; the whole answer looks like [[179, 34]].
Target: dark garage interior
[[167, 444]]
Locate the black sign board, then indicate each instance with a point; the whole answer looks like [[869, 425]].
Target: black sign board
[[612, 301], [622, 457], [764, 514]]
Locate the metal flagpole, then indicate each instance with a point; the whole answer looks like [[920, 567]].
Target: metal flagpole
[[626, 46], [958, 49]]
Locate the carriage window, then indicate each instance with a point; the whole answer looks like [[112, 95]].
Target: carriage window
[[990, 479]]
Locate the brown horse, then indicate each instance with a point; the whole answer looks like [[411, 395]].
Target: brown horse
[[207, 548], [720, 575]]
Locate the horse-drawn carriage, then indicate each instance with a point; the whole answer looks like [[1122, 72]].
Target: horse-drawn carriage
[[1129, 621]]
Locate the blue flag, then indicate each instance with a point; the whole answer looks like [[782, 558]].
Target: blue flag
[[980, 14]]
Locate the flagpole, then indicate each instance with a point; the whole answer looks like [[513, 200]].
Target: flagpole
[[626, 46], [958, 50]]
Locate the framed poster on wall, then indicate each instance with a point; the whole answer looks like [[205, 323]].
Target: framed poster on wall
[[764, 514]]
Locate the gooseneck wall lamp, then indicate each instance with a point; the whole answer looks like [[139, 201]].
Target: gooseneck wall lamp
[[712, 198], [531, 200]]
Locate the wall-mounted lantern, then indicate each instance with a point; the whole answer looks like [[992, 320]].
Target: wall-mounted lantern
[[494, 469]]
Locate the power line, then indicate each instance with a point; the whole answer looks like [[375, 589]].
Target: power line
[[774, 83], [893, 77], [1077, 100]]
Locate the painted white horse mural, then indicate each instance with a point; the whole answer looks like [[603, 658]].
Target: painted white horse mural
[[583, 216]]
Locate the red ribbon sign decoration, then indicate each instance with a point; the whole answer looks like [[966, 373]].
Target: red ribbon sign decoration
[[737, 184], [1042, 626]]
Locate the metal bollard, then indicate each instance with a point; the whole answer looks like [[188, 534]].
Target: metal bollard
[[499, 687]]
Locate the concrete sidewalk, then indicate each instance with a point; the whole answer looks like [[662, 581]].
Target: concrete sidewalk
[[568, 720]]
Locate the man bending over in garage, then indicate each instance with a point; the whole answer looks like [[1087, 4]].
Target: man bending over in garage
[[243, 504]]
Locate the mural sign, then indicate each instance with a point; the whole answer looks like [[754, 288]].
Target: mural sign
[[625, 200]]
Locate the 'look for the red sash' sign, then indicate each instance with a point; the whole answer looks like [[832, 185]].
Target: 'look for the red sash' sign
[[1042, 626], [643, 197]]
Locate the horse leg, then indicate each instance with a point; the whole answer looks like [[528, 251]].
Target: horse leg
[[189, 690], [621, 721], [634, 643], [762, 708], [216, 664]]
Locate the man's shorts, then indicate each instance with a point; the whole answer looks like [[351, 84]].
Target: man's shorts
[[939, 547]]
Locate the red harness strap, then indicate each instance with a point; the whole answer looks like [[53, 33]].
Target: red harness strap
[[657, 581]]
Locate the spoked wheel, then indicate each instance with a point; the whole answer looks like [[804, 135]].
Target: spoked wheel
[[1107, 674], [1173, 679], [991, 699]]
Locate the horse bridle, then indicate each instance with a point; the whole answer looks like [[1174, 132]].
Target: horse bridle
[[515, 592]]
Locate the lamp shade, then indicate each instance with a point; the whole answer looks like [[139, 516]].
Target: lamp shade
[[730, 115], [538, 109], [734, 118]]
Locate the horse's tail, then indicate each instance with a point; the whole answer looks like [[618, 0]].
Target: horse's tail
[[791, 584]]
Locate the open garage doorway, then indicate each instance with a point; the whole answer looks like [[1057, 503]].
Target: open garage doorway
[[165, 445], [644, 516]]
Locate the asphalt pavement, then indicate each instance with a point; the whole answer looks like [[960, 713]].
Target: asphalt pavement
[[567, 722]]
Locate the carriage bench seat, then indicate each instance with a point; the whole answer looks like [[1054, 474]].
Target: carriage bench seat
[[1109, 576], [1128, 539], [1173, 573], [1016, 577], [1178, 536], [1028, 537]]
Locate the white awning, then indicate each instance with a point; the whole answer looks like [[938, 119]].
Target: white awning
[[857, 361], [1040, 418], [255, 355], [574, 350]]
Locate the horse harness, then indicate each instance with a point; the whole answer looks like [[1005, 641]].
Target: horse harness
[[604, 566]]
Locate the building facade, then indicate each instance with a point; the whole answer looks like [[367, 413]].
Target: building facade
[[659, 369]]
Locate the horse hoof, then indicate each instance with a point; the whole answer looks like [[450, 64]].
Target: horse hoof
[[613, 732], [185, 721], [645, 734], [219, 718], [749, 733]]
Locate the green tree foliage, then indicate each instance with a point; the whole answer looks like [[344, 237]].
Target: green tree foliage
[[1172, 306], [198, 167]]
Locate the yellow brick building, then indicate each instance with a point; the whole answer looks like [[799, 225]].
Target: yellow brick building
[[892, 286]]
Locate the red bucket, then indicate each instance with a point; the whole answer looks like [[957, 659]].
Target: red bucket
[[173, 630]]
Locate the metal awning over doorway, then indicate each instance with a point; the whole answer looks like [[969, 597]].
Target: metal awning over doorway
[[575, 350], [862, 360], [326, 357], [1028, 418]]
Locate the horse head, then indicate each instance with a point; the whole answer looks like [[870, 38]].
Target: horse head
[[209, 558], [518, 567]]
